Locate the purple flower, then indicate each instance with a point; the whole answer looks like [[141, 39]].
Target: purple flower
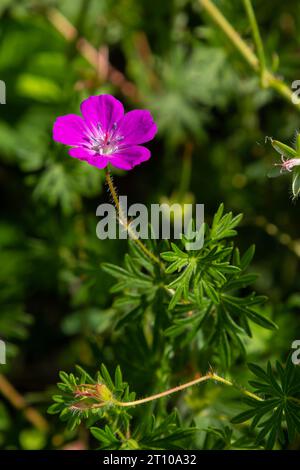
[[105, 134]]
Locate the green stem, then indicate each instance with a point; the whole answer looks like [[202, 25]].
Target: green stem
[[217, 378], [257, 38], [270, 80], [231, 33], [123, 221]]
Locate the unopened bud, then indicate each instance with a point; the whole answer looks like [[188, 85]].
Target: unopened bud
[[103, 393]]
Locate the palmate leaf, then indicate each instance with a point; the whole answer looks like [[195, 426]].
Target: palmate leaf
[[280, 407], [106, 437], [65, 184], [197, 290], [139, 285], [150, 433], [207, 291], [205, 269], [119, 432], [202, 78], [225, 439], [165, 434]]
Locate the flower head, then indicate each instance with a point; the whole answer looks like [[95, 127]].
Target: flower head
[[105, 134]]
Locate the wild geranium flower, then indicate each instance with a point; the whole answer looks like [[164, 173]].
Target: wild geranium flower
[[105, 134]]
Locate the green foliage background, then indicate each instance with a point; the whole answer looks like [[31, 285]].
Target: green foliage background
[[57, 308]]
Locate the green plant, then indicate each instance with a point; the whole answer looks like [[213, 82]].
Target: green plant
[[218, 77], [198, 292]]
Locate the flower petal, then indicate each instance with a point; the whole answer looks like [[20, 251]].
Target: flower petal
[[84, 154], [80, 153], [129, 157], [98, 161], [69, 129], [103, 109], [137, 127]]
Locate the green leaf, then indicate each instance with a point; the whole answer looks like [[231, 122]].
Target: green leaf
[[269, 415], [283, 149], [107, 378], [261, 320], [104, 436], [247, 257]]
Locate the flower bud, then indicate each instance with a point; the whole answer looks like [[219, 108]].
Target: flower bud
[[103, 393]]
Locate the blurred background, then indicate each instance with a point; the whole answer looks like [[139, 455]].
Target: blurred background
[[212, 117]]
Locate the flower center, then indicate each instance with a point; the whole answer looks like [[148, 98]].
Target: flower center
[[104, 142]]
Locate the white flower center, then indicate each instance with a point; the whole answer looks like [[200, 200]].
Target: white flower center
[[104, 143]]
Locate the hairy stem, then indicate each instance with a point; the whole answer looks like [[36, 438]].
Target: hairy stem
[[217, 378], [204, 378], [269, 79], [124, 222]]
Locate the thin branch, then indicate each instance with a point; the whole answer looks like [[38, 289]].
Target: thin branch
[[204, 378], [19, 402], [231, 33], [270, 80]]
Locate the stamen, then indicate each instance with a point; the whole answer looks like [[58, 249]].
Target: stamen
[[288, 164], [104, 143]]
